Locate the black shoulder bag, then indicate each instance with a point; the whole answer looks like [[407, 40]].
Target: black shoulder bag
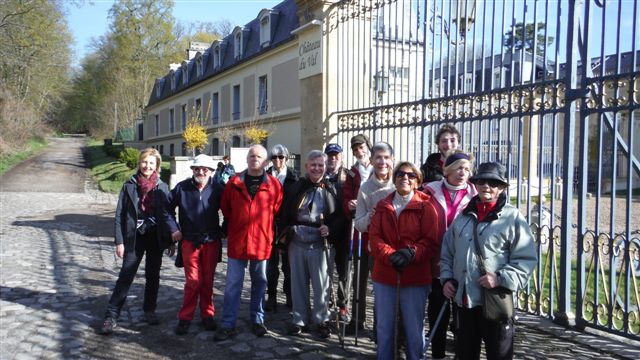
[[497, 303]]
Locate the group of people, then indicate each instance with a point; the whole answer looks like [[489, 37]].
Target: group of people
[[411, 229]]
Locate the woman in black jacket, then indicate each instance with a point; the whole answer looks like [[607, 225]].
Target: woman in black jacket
[[139, 230]]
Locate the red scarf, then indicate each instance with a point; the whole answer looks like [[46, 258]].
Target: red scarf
[[484, 208], [144, 187]]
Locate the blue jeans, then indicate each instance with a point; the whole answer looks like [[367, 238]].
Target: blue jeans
[[413, 300], [233, 290]]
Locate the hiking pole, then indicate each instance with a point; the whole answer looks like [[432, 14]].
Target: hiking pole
[[432, 332], [346, 287], [396, 324], [357, 281], [328, 257]]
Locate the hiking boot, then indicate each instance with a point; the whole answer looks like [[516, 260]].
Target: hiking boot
[[259, 329], [151, 318], [209, 324], [351, 328], [224, 334], [323, 330], [183, 327], [107, 326], [294, 329], [271, 304]]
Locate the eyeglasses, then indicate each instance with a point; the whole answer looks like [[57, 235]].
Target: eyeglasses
[[201, 169], [410, 175], [277, 157], [490, 182]]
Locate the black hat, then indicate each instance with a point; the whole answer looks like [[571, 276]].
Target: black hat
[[490, 171], [332, 148], [360, 139]]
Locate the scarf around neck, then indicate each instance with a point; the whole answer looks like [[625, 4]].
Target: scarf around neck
[[144, 188]]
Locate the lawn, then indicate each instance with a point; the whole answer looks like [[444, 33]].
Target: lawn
[[33, 146]]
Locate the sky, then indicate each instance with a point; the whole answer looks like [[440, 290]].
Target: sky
[[90, 20]]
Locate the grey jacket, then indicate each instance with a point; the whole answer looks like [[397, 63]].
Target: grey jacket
[[508, 246]]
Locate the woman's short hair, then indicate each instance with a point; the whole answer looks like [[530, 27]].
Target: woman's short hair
[[455, 158], [314, 154], [413, 167], [151, 152], [279, 149], [381, 146]]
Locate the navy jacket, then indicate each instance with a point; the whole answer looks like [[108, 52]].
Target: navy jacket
[[198, 218]]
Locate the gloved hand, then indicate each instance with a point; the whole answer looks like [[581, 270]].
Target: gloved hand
[[401, 258]]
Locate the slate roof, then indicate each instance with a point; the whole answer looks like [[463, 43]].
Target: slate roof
[[283, 20]]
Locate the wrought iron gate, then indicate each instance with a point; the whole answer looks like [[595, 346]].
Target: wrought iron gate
[[549, 88]]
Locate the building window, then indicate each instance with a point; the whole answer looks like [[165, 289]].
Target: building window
[[159, 83], [157, 123], [171, 150], [235, 141], [172, 124], [216, 57], [173, 80], [199, 110], [199, 66], [265, 33], [140, 131], [236, 102], [183, 149], [161, 149], [183, 118], [185, 74], [215, 108], [215, 146], [263, 98], [237, 44]]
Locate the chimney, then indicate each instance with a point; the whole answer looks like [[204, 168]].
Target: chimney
[[195, 47]]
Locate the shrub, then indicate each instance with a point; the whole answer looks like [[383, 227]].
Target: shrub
[[113, 150], [129, 156]]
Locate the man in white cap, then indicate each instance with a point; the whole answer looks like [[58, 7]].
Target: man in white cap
[[199, 234]]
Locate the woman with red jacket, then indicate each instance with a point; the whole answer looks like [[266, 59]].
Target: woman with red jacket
[[402, 260]]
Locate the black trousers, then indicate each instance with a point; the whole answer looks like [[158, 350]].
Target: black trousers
[[473, 328], [273, 273], [360, 286], [131, 261], [341, 260], [436, 300]]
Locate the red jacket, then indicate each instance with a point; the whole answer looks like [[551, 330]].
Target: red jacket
[[250, 221], [419, 224], [350, 192]]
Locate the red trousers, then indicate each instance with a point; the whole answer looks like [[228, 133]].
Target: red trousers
[[199, 268]]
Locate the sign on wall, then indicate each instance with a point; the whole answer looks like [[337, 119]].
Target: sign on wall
[[309, 51]]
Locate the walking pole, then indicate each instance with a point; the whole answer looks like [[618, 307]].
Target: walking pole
[[347, 286], [396, 330], [357, 281], [432, 332], [328, 257]]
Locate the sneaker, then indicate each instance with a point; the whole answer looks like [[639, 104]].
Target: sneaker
[[209, 324], [183, 327], [151, 318], [259, 329], [351, 328], [271, 304], [324, 331], [107, 326], [224, 334], [294, 329]]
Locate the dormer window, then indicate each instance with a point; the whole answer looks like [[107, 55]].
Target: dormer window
[[159, 83], [172, 75], [216, 56], [185, 73], [237, 42], [199, 65], [265, 27]]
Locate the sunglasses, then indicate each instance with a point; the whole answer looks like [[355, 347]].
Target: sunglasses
[[490, 182], [277, 157], [201, 169], [410, 175]]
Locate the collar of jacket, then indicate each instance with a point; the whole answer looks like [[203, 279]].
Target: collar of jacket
[[472, 208], [416, 202], [195, 186], [291, 175], [264, 178]]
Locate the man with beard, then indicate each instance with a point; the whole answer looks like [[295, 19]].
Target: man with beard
[[250, 203], [199, 234]]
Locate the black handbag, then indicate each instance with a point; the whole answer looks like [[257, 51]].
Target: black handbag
[[497, 303]]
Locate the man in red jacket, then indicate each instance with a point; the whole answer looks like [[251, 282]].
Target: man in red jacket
[[249, 204]]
